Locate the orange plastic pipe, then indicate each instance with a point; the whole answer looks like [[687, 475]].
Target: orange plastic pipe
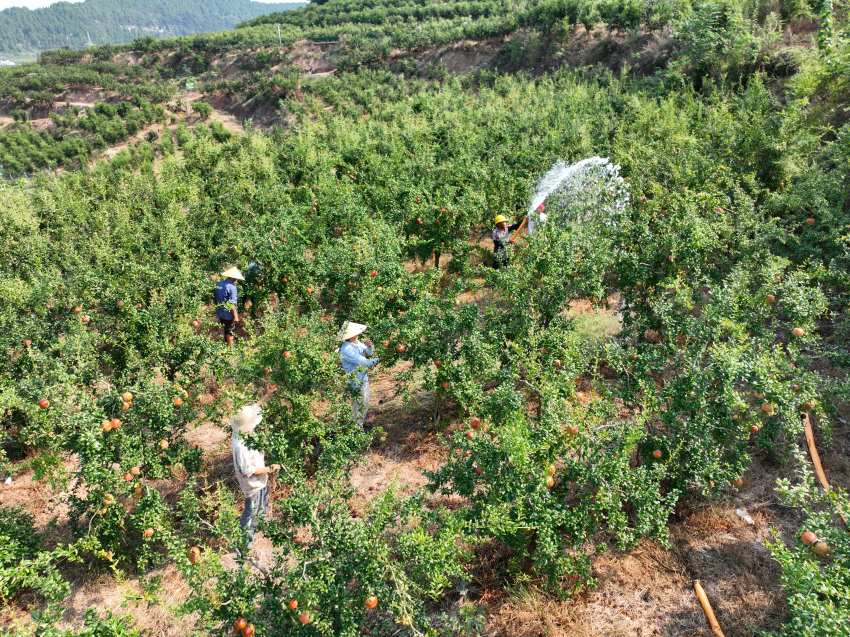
[[706, 608], [813, 452]]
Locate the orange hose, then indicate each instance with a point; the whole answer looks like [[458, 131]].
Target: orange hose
[[706, 608], [813, 452]]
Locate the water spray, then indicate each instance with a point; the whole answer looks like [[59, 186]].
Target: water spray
[[590, 189]]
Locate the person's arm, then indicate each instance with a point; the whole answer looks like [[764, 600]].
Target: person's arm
[[362, 361], [356, 359], [518, 227], [244, 465]]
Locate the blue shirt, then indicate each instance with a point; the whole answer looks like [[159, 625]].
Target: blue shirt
[[353, 357], [225, 299]]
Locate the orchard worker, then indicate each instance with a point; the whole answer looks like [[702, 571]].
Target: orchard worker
[[226, 297], [354, 356], [251, 470], [501, 237]]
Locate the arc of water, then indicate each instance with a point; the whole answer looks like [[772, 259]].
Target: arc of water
[[558, 176]]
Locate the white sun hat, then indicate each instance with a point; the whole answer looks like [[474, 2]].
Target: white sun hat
[[233, 273], [350, 329], [247, 417]]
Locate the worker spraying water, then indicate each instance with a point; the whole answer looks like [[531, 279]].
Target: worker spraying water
[[502, 235]]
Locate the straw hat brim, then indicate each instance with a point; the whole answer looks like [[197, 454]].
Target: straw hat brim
[[248, 416], [351, 329], [233, 273]]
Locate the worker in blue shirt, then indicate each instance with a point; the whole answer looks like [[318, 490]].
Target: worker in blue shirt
[[226, 298], [354, 358]]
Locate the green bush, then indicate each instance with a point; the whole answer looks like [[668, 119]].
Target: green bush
[[816, 586], [203, 109], [18, 538]]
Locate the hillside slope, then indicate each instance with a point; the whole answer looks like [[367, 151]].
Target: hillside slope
[[23, 31]]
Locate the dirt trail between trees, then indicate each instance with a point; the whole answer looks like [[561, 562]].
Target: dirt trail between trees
[[411, 443], [230, 124], [228, 121], [182, 113]]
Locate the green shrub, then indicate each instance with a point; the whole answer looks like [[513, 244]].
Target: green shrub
[[18, 537], [816, 586], [203, 109]]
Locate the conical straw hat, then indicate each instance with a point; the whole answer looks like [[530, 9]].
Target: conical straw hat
[[247, 416], [350, 329], [233, 273]]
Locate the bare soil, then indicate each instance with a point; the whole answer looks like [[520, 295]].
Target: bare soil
[[458, 57], [37, 498], [312, 58], [411, 444], [227, 120], [84, 96], [155, 610]]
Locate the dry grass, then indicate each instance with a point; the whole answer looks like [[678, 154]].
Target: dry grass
[[596, 322]]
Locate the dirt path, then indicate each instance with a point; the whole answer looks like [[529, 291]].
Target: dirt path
[[152, 601], [140, 136], [230, 124], [411, 443], [185, 114]]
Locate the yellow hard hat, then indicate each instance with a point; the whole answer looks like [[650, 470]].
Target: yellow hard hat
[[500, 219]]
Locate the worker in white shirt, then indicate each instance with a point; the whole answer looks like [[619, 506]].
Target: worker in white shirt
[[355, 357], [251, 470]]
